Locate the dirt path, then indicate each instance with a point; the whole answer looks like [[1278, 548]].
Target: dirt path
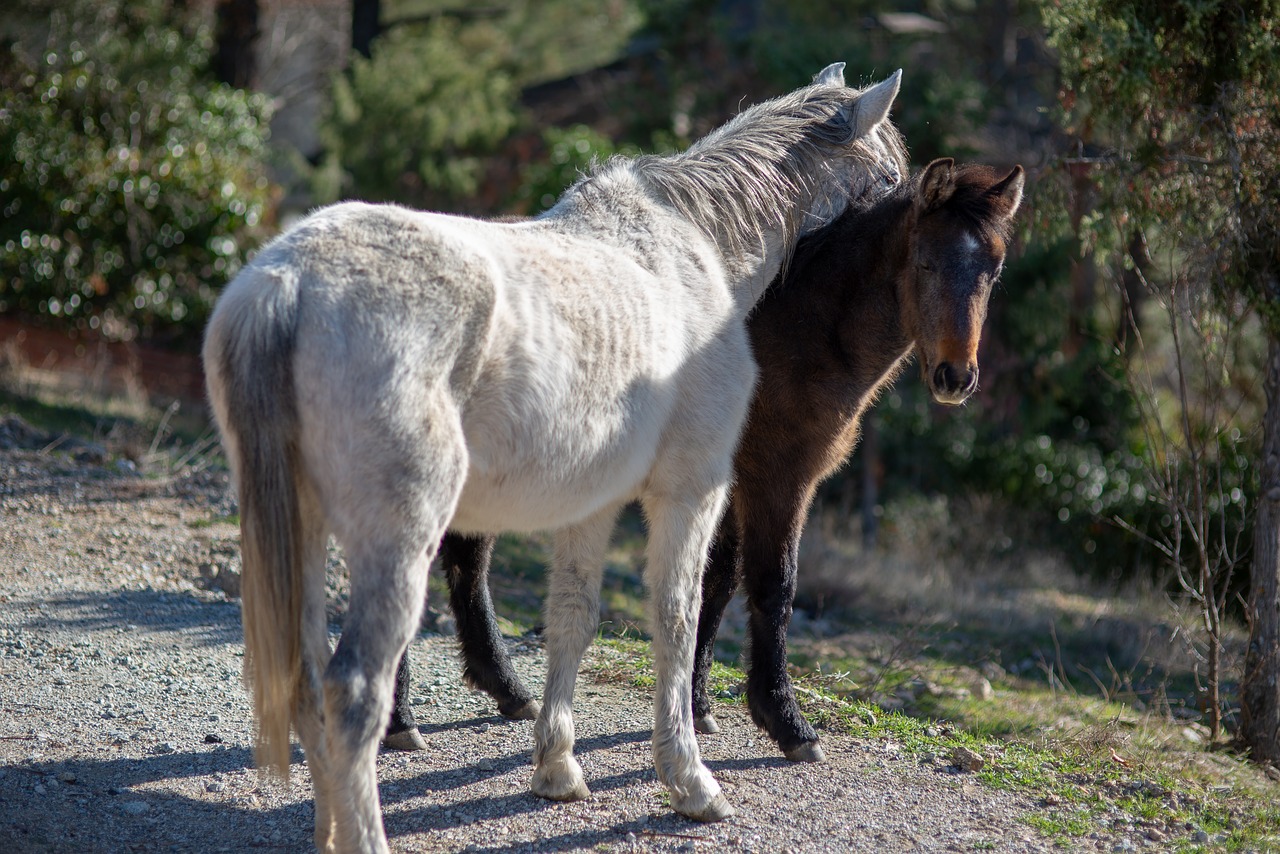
[[124, 725]]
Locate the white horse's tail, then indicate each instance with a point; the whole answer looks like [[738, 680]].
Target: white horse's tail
[[248, 355]]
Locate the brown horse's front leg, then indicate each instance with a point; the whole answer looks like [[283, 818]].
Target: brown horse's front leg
[[486, 664], [769, 568], [719, 582]]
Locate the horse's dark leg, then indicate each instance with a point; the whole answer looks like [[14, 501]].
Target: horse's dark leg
[[769, 566], [486, 665], [402, 733], [718, 585]]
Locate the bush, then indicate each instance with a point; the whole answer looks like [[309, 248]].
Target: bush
[[570, 153], [135, 184], [412, 124]]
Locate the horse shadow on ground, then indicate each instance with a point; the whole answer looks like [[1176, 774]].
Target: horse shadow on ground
[[461, 813], [91, 804], [128, 813], [152, 611]]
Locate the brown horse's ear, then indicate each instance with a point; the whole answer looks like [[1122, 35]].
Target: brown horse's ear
[[936, 184], [1008, 193]]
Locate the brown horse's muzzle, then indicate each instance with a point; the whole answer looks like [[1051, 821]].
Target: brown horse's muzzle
[[952, 384]]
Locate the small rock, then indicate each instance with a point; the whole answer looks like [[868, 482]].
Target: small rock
[[214, 787], [985, 691], [164, 747], [1155, 834], [212, 738], [1201, 837], [966, 759], [67, 777], [40, 789], [1052, 800], [136, 807]]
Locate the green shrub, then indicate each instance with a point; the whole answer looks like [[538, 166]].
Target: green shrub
[[570, 152], [134, 184], [413, 124]]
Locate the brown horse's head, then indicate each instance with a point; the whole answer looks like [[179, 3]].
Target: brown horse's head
[[962, 217]]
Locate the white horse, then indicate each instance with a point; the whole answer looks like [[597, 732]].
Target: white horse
[[381, 374]]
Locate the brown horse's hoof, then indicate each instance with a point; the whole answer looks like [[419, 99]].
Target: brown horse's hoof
[[528, 712], [408, 740], [706, 724], [809, 751]]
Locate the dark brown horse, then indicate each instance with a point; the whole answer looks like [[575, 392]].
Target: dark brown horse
[[911, 272]]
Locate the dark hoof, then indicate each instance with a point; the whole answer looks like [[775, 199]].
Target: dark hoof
[[528, 712], [809, 751], [706, 724], [408, 740]]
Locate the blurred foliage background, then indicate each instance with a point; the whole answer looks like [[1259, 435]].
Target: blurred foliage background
[[1118, 421]]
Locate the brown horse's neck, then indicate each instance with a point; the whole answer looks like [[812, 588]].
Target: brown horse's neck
[[876, 320], [840, 311]]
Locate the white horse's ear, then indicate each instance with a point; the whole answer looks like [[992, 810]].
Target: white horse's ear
[[1009, 191], [937, 184], [873, 105], [832, 75]]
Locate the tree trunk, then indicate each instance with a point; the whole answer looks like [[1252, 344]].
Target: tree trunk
[[1260, 688], [236, 59], [871, 465], [1083, 272], [365, 25]]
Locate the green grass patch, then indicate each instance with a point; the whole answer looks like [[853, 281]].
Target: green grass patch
[[1103, 774]]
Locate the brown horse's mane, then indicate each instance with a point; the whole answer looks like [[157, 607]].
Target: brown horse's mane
[[973, 203]]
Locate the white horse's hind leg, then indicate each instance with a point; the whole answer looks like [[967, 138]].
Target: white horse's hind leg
[[679, 536], [573, 615], [315, 657], [387, 590], [398, 499]]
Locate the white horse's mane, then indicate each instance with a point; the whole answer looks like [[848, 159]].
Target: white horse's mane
[[770, 165]]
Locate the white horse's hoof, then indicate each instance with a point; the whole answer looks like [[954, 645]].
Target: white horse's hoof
[[810, 751], [562, 783], [717, 809], [706, 725], [408, 740], [528, 712]]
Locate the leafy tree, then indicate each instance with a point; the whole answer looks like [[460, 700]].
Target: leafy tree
[[1176, 106], [133, 184]]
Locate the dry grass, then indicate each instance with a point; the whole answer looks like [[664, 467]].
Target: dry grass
[[932, 606], [110, 410]]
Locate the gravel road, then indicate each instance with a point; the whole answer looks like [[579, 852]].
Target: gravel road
[[124, 725]]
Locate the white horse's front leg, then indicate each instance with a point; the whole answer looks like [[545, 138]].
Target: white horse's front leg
[[679, 536], [573, 615]]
